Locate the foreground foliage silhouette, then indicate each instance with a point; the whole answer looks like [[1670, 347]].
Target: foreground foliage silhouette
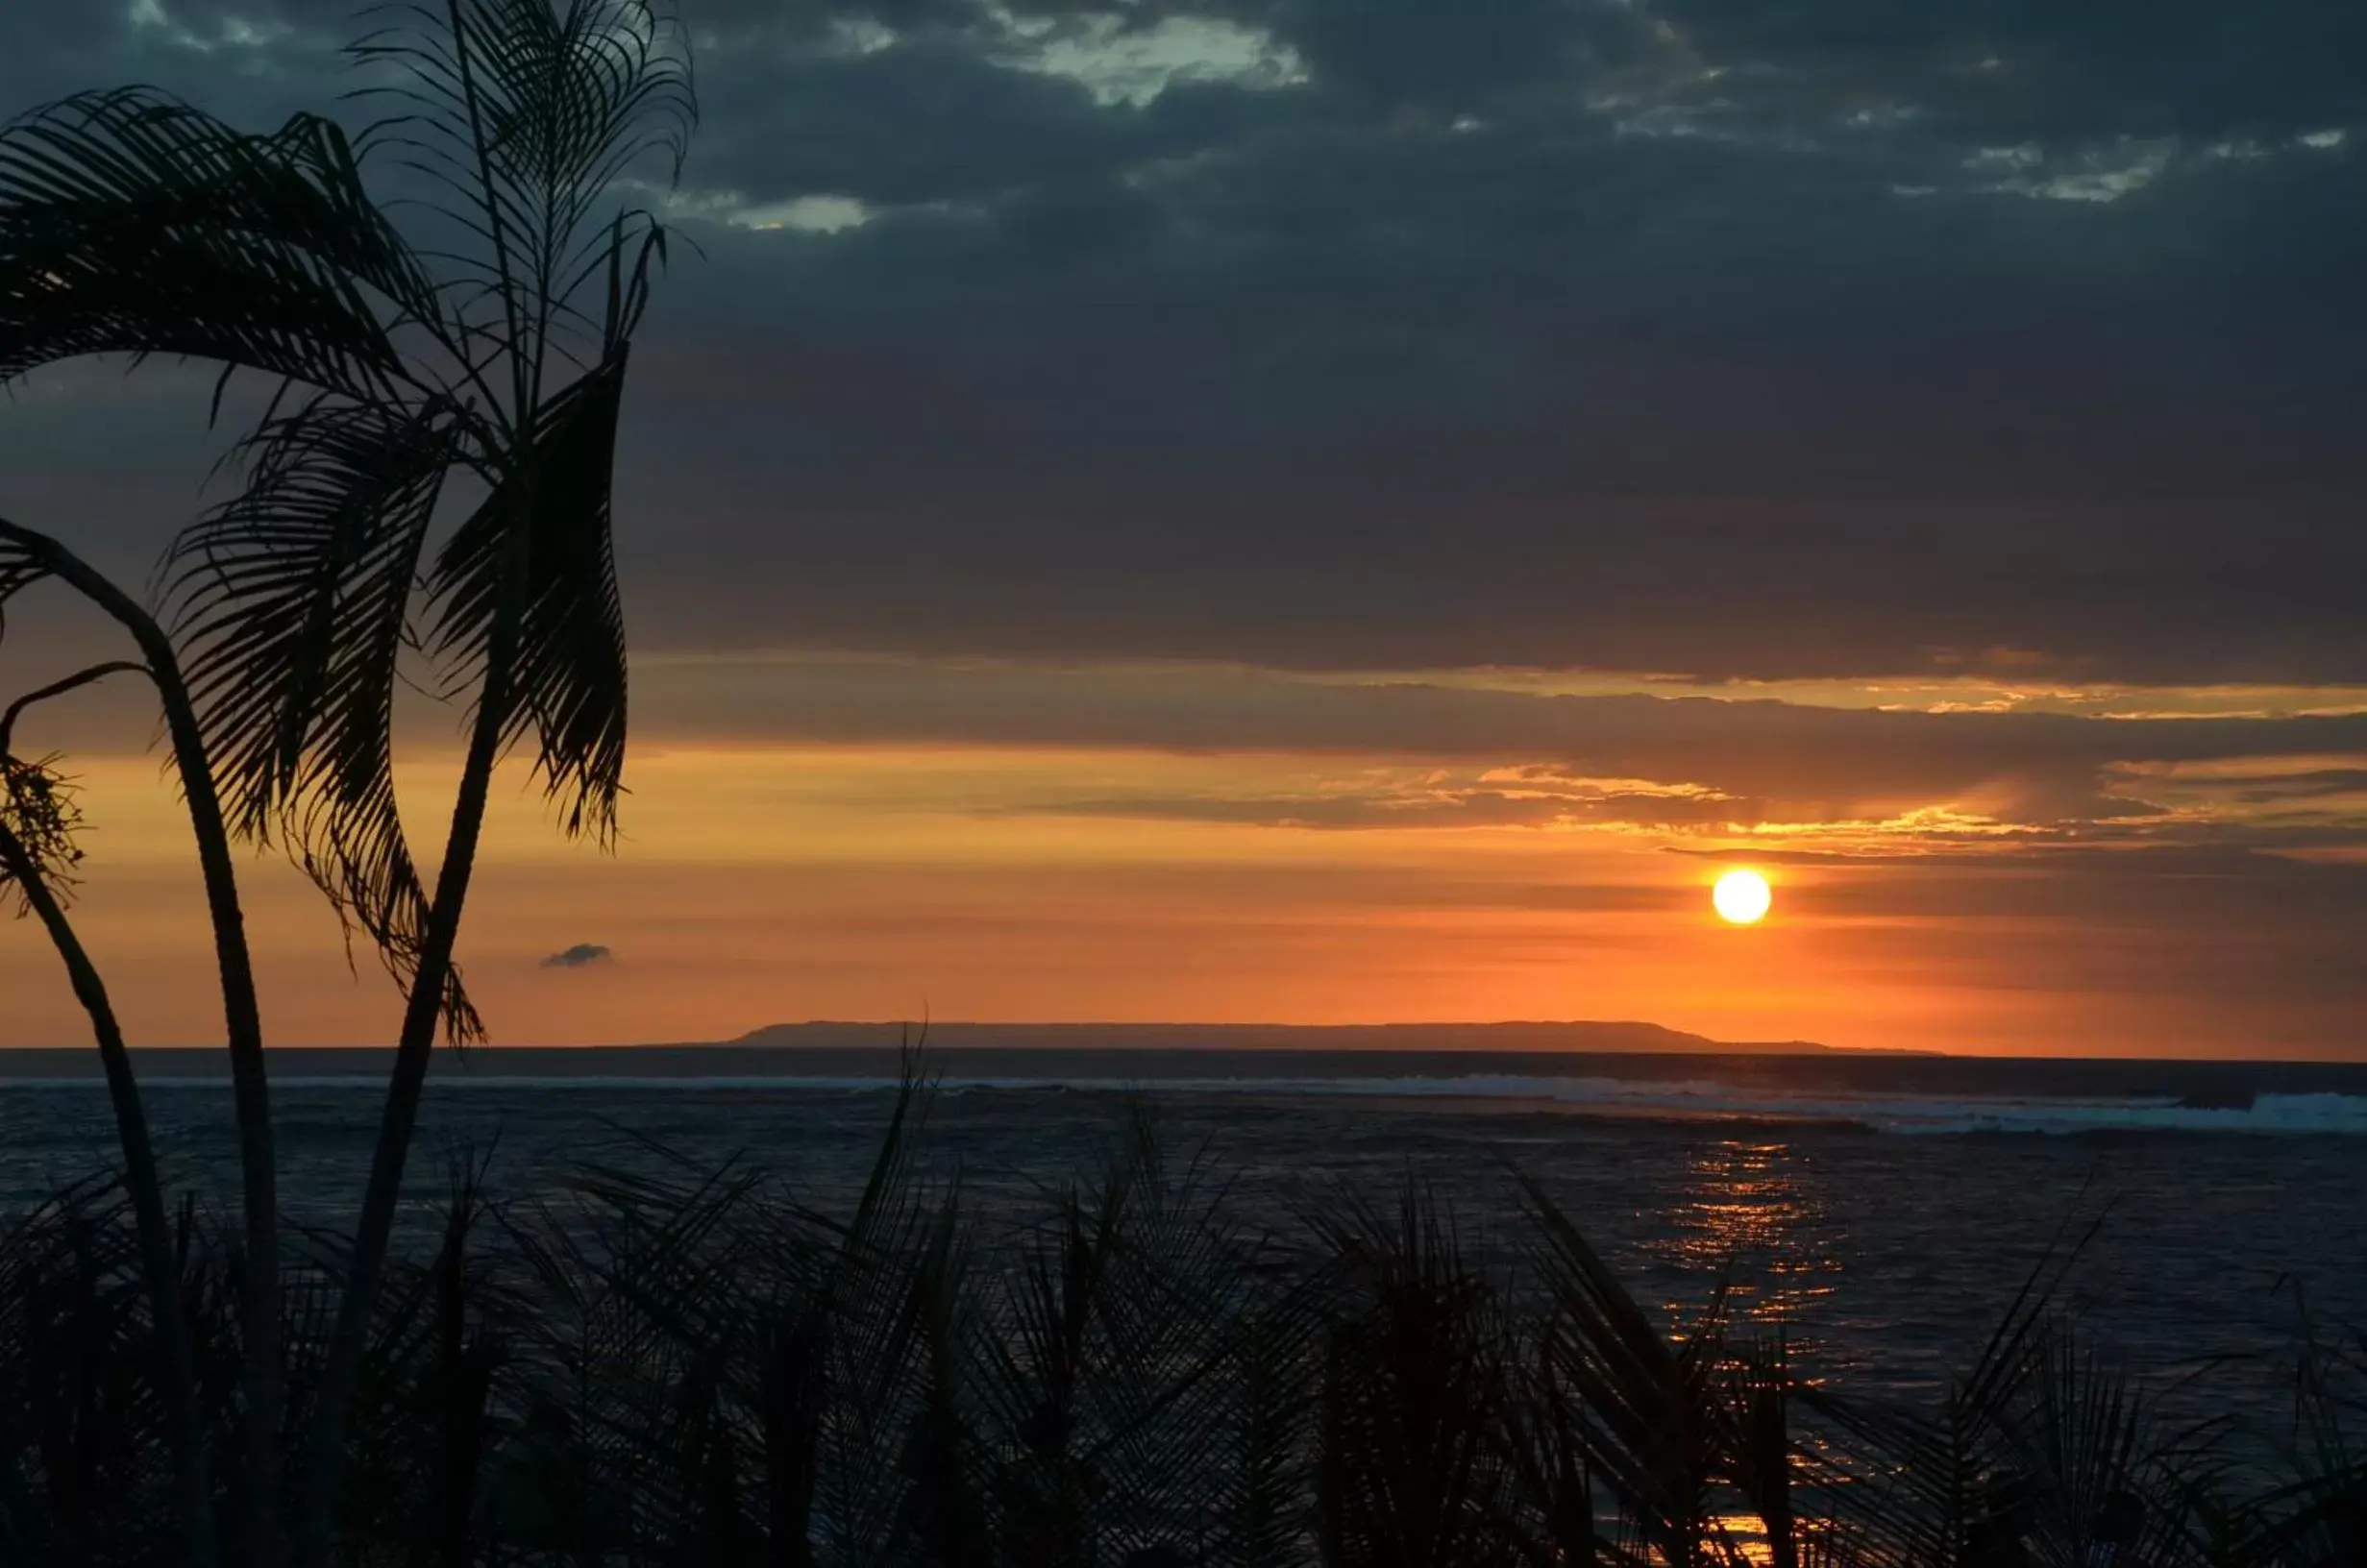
[[674, 1366], [424, 496]]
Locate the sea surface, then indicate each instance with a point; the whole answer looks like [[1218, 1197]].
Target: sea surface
[[1880, 1212]]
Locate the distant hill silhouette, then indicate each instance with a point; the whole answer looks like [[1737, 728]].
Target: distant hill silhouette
[[1588, 1037], [840, 1048]]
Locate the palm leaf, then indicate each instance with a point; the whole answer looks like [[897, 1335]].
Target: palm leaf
[[292, 603], [522, 115], [1411, 1468], [21, 566], [1647, 1423], [135, 224], [83, 1424], [534, 565], [1264, 1430], [1186, 1307]]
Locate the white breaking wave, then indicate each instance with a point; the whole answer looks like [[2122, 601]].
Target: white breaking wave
[[2324, 1113], [1704, 1100], [1689, 1100]]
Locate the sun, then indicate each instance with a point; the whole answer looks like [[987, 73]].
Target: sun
[[1741, 897]]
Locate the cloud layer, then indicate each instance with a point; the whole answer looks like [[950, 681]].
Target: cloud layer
[[1701, 335], [1712, 761]]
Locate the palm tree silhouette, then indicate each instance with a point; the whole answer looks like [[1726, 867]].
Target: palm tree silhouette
[[431, 480], [36, 854]]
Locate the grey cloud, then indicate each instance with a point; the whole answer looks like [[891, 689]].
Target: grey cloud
[[2311, 784], [254, 61], [2202, 67], [1396, 49], [915, 124], [1434, 806], [582, 955], [1340, 395], [2115, 887], [1651, 364], [1763, 758]]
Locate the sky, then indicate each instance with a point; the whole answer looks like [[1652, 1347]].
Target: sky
[[1344, 510]]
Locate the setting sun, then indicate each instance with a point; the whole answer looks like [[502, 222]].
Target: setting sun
[[1741, 897]]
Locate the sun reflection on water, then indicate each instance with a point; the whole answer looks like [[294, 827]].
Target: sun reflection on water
[[1742, 1210]]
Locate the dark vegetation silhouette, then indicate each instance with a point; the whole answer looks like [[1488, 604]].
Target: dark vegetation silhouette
[[425, 497], [667, 1364]]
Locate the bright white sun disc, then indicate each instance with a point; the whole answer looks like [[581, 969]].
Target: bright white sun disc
[[1741, 897]]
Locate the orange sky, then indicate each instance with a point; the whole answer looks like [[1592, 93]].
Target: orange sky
[[769, 880]]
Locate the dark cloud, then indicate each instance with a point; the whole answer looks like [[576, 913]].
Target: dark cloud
[[582, 955], [1407, 49], [916, 124], [1709, 336], [2119, 67], [1753, 759], [1433, 805]]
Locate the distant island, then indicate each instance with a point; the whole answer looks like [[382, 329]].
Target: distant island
[[825, 1048], [1589, 1038]]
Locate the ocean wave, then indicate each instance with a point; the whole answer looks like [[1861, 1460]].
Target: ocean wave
[[1906, 1114], [1684, 1100]]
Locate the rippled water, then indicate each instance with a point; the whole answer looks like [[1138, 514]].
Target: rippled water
[[1882, 1258]]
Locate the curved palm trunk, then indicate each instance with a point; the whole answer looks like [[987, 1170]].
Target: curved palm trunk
[[263, 1371], [421, 1014], [176, 1364]]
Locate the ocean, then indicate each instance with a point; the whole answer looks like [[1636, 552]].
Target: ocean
[[1878, 1211]]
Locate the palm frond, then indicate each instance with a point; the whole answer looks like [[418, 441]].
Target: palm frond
[[1411, 1466], [534, 565], [293, 603], [83, 1426], [131, 223], [21, 566], [1648, 1422], [1263, 1428], [524, 116]]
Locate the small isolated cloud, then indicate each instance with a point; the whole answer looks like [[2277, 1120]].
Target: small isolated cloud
[[581, 956]]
